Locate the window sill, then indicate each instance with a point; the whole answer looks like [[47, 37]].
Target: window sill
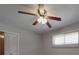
[[66, 46]]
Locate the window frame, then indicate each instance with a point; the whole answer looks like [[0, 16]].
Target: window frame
[[65, 45]]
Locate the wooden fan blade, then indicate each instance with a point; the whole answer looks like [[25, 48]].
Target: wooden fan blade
[[22, 12], [54, 18], [48, 24], [35, 22]]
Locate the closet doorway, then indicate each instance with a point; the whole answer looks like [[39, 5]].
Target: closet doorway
[[2, 35]]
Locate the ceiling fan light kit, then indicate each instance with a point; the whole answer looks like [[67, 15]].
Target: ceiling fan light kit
[[42, 20], [42, 16]]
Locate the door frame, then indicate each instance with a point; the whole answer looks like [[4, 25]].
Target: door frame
[[13, 33]]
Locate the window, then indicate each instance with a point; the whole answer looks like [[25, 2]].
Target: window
[[59, 40], [71, 38], [66, 39]]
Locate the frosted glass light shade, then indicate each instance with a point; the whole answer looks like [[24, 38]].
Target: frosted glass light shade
[[42, 20]]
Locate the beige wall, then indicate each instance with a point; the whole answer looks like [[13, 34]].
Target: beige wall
[[47, 41], [32, 43]]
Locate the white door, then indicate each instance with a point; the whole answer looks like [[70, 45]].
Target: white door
[[11, 44]]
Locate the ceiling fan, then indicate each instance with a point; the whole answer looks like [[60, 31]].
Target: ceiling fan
[[42, 16]]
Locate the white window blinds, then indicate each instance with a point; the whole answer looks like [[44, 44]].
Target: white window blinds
[[63, 39]]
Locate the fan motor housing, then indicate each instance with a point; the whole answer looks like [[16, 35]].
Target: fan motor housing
[[42, 12]]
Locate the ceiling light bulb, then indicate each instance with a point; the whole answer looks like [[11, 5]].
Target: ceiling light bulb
[[42, 20], [39, 19]]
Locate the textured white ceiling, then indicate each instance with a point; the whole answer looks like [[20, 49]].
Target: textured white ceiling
[[69, 14]]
